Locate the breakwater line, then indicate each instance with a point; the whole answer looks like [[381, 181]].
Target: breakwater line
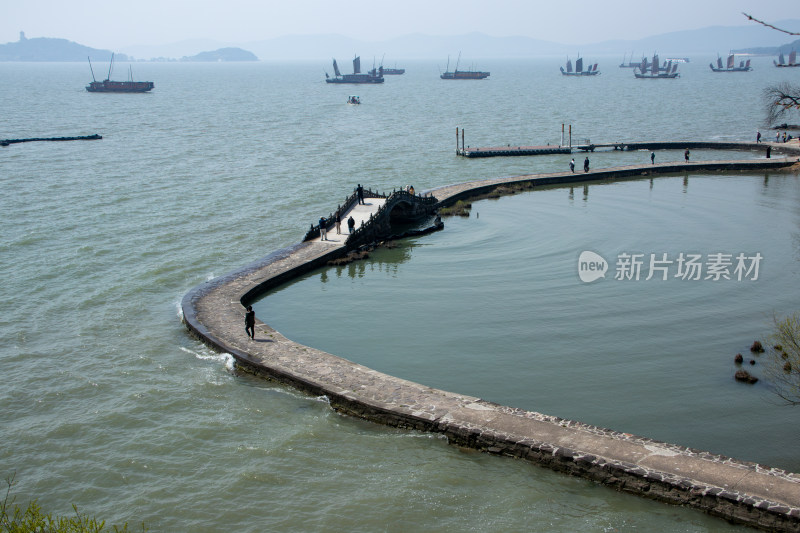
[[95, 137], [735, 490]]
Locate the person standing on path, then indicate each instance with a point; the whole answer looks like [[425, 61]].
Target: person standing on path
[[652, 158], [250, 322], [686, 155], [338, 223], [572, 165], [777, 136], [323, 231], [360, 192], [351, 224], [586, 165], [758, 136]]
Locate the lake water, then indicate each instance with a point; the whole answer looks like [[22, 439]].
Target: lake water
[[108, 403]]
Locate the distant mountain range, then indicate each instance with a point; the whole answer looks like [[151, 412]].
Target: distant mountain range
[[749, 37], [48, 49], [478, 46], [771, 50]]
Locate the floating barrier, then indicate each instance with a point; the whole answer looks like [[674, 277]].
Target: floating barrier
[[95, 137]]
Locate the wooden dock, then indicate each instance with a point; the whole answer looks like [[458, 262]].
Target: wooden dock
[[501, 151], [506, 151]]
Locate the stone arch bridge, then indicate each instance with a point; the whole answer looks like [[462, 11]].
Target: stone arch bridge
[[383, 218]]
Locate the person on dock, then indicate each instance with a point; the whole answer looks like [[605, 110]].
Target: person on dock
[[323, 231], [777, 136], [360, 193], [769, 151], [784, 136], [338, 223], [351, 224], [652, 158], [686, 155], [758, 136], [572, 165], [250, 322], [586, 165]]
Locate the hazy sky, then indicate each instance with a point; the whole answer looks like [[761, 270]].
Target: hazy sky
[[113, 24]]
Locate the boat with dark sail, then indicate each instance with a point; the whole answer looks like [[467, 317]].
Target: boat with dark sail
[[654, 70], [108, 86], [730, 66], [591, 71], [782, 61], [462, 74], [373, 76]]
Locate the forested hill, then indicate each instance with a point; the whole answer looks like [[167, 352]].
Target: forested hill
[[48, 49]]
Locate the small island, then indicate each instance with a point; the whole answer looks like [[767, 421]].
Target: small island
[[223, 54]]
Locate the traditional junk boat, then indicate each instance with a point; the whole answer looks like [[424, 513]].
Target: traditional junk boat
[[393, 71], [591, 71], [629, 63], [462, 74], [108, 86], [654, 71], [731, 65], [373, 76], [792, 60]]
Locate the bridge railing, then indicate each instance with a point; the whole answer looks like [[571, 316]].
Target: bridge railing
[[368, 229], [313, 232]]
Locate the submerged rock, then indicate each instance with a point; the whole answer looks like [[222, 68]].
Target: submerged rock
[[756, 347], [745, 376]]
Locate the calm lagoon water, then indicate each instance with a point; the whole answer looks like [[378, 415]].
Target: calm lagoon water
[[494, 307], [109, 404]]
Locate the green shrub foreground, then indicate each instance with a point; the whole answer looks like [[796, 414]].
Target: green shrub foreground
[[32, 519]]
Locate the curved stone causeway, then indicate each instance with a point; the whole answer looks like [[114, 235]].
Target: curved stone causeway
[[738, 491]]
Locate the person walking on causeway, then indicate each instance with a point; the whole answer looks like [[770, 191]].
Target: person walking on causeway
[[250, 322], [586, 165]]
